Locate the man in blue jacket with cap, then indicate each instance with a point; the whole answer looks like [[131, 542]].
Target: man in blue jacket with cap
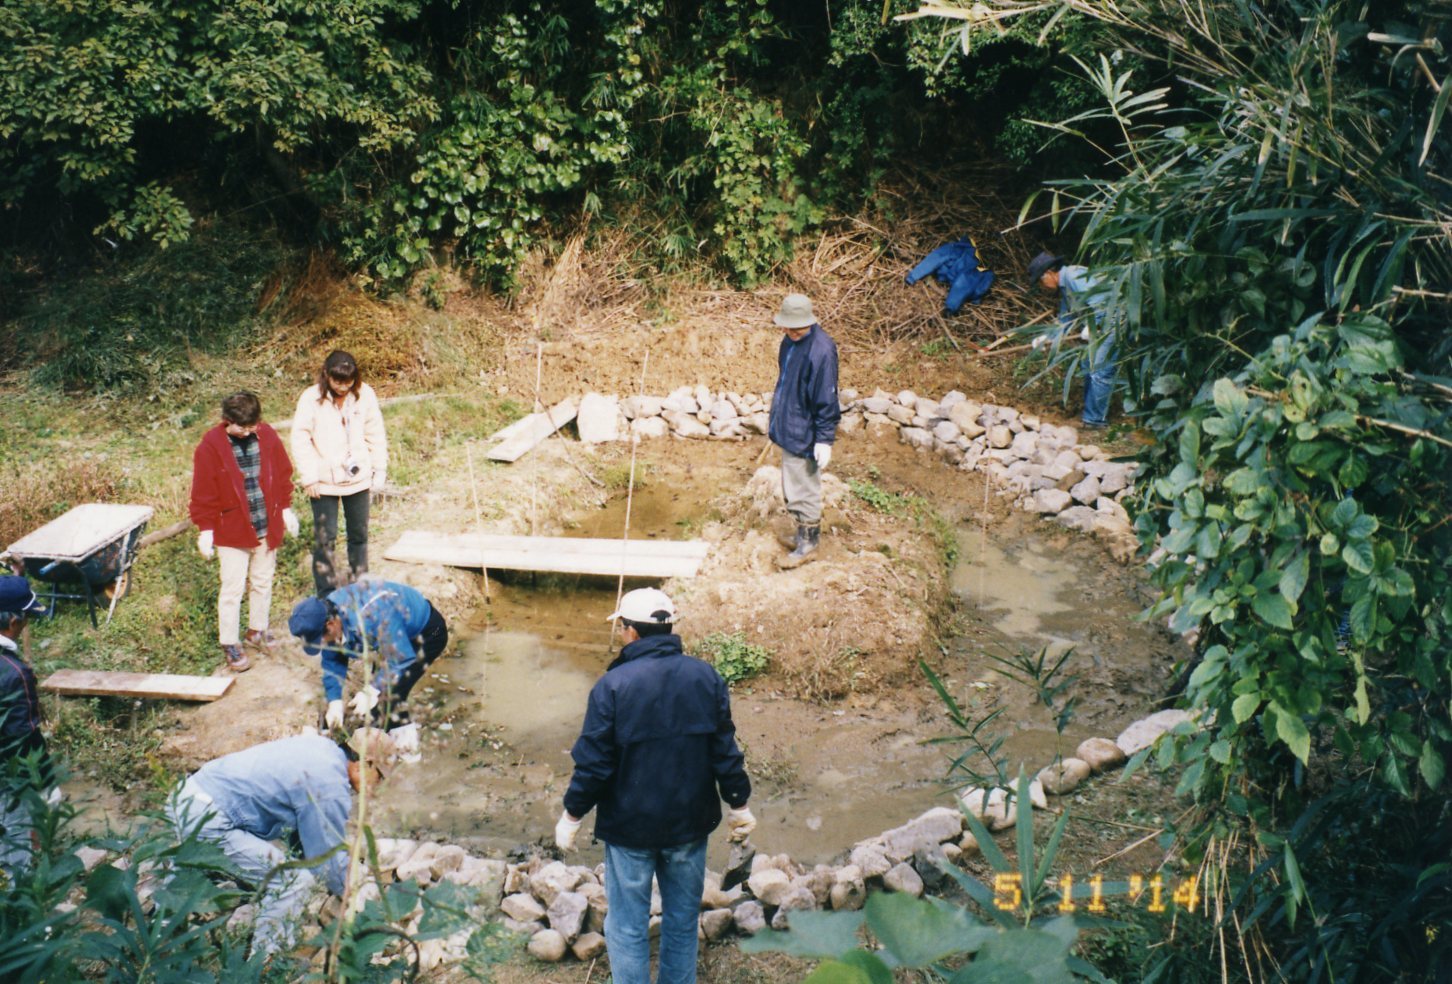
[[1081, 301], [398, 629], [657, 744], [804, 415], [24, 761]]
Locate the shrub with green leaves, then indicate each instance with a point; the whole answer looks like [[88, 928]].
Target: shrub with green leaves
[[734, 658]]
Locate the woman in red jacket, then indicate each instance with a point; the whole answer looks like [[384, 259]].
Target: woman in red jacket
[[242, 503]]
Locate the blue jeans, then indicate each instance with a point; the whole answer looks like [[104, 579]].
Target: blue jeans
[[1099, 370], [282, 902], [681, 874]]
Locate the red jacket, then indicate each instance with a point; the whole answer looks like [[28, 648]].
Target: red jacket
[[219, 498]]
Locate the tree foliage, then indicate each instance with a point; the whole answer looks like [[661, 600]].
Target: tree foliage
[[1275, 242]]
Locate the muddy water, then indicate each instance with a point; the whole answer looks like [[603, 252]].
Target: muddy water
[[506, 709]]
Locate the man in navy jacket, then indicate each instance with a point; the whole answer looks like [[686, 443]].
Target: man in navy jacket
[[804, 415], [24, 761], [657, 744]]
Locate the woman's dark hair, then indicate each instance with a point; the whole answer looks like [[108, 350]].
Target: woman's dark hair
[[242, 408], [644, 629], [341, 366]]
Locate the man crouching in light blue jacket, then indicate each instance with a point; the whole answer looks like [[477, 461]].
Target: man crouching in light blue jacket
[[298, 789], [396, 627]]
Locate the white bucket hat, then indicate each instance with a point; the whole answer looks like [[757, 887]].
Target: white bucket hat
[[796, 312], [645, 605]]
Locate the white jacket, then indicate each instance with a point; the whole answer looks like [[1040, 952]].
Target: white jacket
[[325, 438]]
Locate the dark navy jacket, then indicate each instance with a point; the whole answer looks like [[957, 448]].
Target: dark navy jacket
[[20, 715], [956, 264], [804, 409], [657, 743]]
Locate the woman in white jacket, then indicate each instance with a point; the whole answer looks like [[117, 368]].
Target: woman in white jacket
[[341, 453]]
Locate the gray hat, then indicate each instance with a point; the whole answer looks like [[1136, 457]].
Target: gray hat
[[796, 312], [1042, 264]]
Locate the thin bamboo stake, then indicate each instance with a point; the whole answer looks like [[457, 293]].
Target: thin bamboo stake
[[478, 524], [629, 501]]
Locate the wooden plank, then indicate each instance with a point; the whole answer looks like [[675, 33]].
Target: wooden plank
[[164, 686], [535, 428], [556, 555]]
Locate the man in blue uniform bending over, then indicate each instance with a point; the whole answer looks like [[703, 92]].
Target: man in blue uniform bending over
[[657, 743], [1081, 301], [399, 629], [804, 415], [299, 789]]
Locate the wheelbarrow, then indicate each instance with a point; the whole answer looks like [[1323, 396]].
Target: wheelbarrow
[[89, 550]]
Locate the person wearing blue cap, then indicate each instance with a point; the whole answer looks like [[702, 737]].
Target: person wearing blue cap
[[1081, 301], [391, 626], [21, 740]]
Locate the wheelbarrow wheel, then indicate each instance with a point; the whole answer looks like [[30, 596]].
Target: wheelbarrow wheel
[[116, 590]]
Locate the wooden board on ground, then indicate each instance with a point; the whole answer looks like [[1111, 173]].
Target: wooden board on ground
[[165, 686], [520, 437], [552, 554]]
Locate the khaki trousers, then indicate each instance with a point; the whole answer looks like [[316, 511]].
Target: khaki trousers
[[801, 486], [251, 570]]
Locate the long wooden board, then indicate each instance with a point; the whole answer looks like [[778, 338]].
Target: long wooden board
[[557, 555], [108, 683], [520, 437]]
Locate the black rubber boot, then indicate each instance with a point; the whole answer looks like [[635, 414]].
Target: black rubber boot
[[808, 538]]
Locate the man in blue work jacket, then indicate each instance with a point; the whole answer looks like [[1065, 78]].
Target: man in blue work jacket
[[1080, 301], [25, 766], [392, 626], [296, 789], [657, 744], [804, 415]]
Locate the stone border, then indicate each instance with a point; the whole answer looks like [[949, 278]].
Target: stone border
[[1042, 465]]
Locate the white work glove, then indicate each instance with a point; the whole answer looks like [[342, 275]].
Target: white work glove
[[204, 544], [566, 831], [364, 701], [289, 522], [333, 716], [405, 742], [1039, 341], [740, 823], [1084, 333], [823, 454]]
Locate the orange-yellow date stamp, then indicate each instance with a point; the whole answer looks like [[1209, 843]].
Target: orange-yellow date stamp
[[1155, 892]]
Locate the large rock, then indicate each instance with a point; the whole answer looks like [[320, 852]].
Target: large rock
[[1087, 491], [933, 827], [636, 407], [927, 408], [1080, 518], [1064, 777], [946, 431], [485, 874], [770, 885], [931, 863], [1025, 444], [902, 878], [870, 860], [966, 415], [1144, 733], [392, 852], [849, 890], [588, 947], [1049, 501], [1100, 754], [552, 879], [450, 857], [723, 410], [750, 917], [907, 398], [716, 923], [597, 418], [685, 425], [877, 404], [900, 414], [951, 399], [595, 895], [567, 914], [999, 436], [915, 436], [522, 907], [650, 427], [547, 945]]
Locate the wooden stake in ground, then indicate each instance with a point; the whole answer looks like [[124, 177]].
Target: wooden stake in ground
[[479, 524], [629, 500]]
